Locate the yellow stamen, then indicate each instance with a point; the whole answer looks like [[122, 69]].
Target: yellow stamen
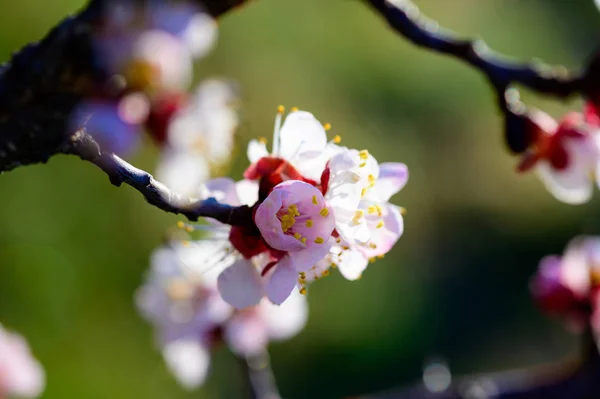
[[338, 240], [371, 210], [362, 165], [303, 240], [334, 265], [319, 240], [379, 210], [345, 248], [380, 256], [402, 210], [325, 273], [294, 109], [314, 200], [380, 224], [302, 275], [372, 260], [262, 140], [297, 236], [287, 221], [180, 224], [293, 210], [363, 192], [358, 216], [189, 229], [324, 212], [281, 109], [373, 245], [337, 139], [309, 223], [303, 291], [364, 155], [301, 281], [185, 243], [327, 126], [371, 180]]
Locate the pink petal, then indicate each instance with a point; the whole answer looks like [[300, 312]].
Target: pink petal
[[222, 189], [270, 226], [386, 236], [246, 333], [240, 285], [302, 261], [352, 264], [392, 178], [282, 282]]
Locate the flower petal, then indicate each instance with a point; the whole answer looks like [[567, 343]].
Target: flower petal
[[392, 178], [352, 264], [256, 151], [287, 319], [301, 132], [188, 360], [222, 189], [182, 172], [240, 285], [282, 281], [246, 333], [303, 260], [247, 192]]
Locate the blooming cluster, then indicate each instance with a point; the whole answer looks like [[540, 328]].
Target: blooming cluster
[[180, 298], [146, 54], [316, 205], [566, 154], [20, 374], [568, 286]]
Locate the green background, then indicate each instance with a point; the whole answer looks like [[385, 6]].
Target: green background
[[73, 248]]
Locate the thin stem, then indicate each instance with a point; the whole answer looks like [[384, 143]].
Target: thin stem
[[259, 377]]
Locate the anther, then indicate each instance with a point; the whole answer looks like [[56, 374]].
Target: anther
[[281, 109], [314, 200], [262, 140], [297, 236], [309, 223], [337, 139], [363, 154], [380, 224], [294, 109], [324, 212], [303, 291], [327, 126], [319, 240]]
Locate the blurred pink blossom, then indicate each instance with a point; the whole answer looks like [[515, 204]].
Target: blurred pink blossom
[[20, 373]]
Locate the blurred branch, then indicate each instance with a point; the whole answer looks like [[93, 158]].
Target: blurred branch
[[404, 17], [41, 85], [156, 193], [571, 379], [259, 377]]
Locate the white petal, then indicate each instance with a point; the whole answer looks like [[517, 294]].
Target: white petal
[[301, 132], [256, 151], [20, 373], [575, 270], [182, 172], [247, 191], [188, 361], [287, 319], [352, 264], [240, 285], [222, 189]]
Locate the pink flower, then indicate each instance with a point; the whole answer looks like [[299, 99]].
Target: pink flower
[[567, 286], [20, 374], [566, 156]]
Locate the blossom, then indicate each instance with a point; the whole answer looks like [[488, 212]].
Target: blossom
[[565, 155], [567, 285], [154, 47], [181, 300], [20, 374], [300, 141], [198, 135]]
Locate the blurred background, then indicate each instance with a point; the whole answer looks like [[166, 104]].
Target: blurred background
[[73, 248]]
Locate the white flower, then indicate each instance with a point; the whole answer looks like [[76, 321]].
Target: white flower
[[301, 141], [188, 360], [20, 374], [200, 138]]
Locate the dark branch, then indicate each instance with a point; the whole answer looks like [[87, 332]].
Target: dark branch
[[405, 18], [43, 82], [156, 193]]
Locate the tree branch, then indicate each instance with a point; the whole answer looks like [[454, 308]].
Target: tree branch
[[156, 193], [405, 19]]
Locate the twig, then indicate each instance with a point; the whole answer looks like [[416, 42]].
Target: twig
[[405, 18], [156, 193], [259, 377]]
